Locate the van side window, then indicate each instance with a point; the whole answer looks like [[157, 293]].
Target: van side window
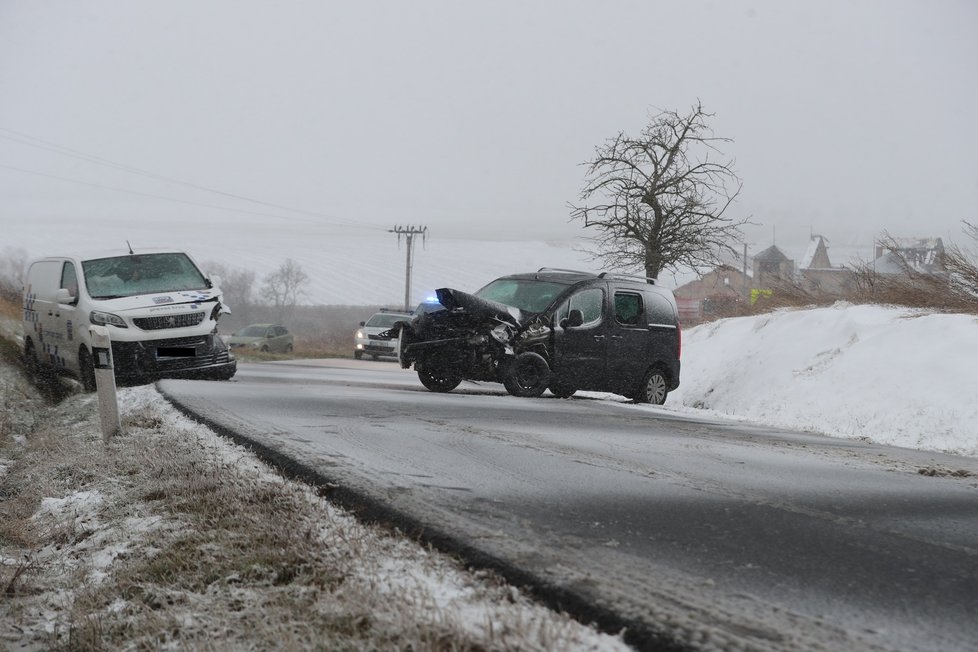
[[589, 302], [660, 310], [69, 280], [628, 308]]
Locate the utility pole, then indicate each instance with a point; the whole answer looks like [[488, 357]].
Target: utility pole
[[409, 232]]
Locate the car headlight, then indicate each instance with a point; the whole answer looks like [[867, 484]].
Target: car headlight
[[106, 319], [359, 335]]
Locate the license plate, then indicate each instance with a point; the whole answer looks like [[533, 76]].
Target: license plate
[[176, 352]]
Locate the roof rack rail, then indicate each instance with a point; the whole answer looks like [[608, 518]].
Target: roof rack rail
[[564, 271], [627, 277]]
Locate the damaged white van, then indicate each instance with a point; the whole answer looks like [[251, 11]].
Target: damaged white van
[[160, 310]]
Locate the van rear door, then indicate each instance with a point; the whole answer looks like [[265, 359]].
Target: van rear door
[[52, 325]]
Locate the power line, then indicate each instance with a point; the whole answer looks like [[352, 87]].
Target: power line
[[25, 139], [145, 194]]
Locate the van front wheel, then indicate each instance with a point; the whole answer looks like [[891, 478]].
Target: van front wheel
[[86, 368], [438, 379], [526, 375]]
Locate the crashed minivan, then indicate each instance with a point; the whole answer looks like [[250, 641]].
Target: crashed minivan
[[159, 308], [552, 329]]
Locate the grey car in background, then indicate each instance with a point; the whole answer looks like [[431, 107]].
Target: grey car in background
[[267, 338]]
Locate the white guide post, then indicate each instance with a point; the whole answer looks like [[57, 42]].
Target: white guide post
[[108, 403]]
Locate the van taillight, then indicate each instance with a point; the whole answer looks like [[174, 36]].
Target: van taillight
[[679, 334]]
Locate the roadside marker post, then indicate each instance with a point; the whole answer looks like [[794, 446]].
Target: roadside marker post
[[108, 402]]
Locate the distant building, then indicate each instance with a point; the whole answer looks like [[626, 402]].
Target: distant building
[[726, 289], [715, 293], [924, 255], [772, 268], [817, 275]]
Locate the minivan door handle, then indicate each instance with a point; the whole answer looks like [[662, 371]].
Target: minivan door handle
[[599, 337]]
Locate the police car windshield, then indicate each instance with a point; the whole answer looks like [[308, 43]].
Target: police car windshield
[[135, 274], [386, 319], [528, 295]]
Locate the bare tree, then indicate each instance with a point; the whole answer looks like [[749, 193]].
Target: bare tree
[[961, 264], [13, 270], [660, 201], [237, 285], [283, 287]]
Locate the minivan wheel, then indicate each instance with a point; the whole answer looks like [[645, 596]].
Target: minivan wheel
[[527, 375], [86, 366], [653, 389], [438, 380]]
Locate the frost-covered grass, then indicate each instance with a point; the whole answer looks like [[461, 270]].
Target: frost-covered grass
[[170, 537]]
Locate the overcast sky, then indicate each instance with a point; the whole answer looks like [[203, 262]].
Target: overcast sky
[[473, 118]]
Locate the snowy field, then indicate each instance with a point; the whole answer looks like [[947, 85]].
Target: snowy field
[[884, 374], [345, 267]]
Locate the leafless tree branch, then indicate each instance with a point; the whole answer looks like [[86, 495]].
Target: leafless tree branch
[[660, 201]]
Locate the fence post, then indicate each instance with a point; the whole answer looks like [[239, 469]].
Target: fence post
[[108, 402]]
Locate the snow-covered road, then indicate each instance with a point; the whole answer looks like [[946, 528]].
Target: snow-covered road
[[723, 533]]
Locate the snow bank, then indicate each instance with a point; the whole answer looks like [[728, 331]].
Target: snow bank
[[890, 375]]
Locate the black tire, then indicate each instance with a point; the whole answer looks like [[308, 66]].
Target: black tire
[[375, 357], [527, 375], [654, 388], [438, 380], [86, 368], [357, 355], [31, 362], [561, 390], [38, 372]]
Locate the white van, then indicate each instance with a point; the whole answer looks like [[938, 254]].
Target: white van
[[160, 310]]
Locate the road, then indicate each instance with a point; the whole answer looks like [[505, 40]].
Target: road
[[693, 533]]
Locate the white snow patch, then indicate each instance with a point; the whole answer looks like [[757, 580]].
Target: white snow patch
[[885, 374]]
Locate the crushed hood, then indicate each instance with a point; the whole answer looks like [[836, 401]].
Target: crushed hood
[[478, 307]]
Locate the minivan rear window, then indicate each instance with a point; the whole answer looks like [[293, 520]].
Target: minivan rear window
[[660, 310]]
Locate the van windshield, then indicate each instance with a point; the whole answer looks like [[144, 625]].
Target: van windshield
[[127, 276], [529, 295]]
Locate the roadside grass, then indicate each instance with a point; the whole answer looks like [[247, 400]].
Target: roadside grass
[[305, 347], [170, 537]]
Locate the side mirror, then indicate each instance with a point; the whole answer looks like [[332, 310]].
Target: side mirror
[[574, 318], [363, 323], [215, 281], [63, 295]]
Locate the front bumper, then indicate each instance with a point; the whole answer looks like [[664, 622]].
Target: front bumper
[[203, 356], [376, 346]]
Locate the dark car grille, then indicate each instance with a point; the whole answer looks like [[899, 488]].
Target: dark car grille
[[169, 321]]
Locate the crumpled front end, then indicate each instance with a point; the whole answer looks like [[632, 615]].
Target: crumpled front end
[[465, 335]]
